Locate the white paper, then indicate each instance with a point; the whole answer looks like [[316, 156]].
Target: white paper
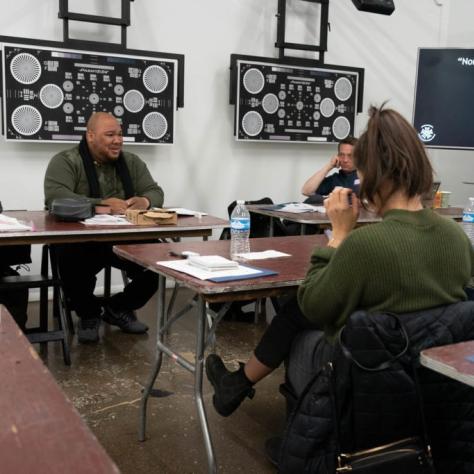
[[263, 255], [184, 267], [212, 263], [181, 211], [106, 219], [11, 224], [298, 207]]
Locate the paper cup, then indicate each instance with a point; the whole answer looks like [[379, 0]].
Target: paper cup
[[445, 197]]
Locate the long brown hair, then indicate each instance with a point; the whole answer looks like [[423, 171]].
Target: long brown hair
[[390, 157]]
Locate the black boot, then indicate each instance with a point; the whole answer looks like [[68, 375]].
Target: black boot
[[230, 388]]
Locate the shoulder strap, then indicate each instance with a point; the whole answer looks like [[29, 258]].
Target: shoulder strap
[[89, 167]]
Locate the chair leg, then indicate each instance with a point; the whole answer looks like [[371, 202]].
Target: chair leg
[[107, 281], [60, 310]]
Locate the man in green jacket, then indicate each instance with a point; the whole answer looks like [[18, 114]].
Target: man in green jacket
[[98, 169]]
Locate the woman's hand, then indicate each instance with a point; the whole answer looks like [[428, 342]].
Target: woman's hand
[[343, 216]]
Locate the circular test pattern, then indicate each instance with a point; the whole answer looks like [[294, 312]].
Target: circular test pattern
[[133, 101], [253, 81], [118, 89], [327, 107], [154, 125], [155, 79], [341, 128], [68, 108], [51, 96], [118, 111], [26, 120], [68, 86], [270, 103], [94, 98], [343, 88], [25, 68], [252, 123]]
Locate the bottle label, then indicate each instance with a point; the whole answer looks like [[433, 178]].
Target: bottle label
[[242, 224], [468, 217]]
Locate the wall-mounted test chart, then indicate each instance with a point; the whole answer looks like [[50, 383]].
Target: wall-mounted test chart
[[290, 103], [49, 93]]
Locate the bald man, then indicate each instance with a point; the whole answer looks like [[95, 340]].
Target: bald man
[[99, 170]]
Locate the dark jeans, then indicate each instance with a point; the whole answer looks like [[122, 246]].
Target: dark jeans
[[275, 344], [78, 266]]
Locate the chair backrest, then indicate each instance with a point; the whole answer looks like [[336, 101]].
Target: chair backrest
[[259, 224]]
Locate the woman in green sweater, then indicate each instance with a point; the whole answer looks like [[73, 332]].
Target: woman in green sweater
[[412, 260]]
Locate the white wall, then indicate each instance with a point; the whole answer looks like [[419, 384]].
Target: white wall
[[206, 168]]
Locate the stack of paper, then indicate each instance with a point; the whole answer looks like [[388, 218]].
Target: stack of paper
[[212, 263], [298, 207], [11, 224], [106, 219], [181, 211]]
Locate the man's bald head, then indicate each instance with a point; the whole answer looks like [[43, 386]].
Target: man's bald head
[[104, 137], [98, 117]]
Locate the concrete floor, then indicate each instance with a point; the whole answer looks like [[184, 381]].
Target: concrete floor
[[105, 380]]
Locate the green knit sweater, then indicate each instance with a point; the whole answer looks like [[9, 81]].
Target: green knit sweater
[[66, 178], [408, 262]]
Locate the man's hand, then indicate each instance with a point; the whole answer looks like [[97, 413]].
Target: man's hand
[[334, 162], [137, 202], [342, 215], [117, 206]]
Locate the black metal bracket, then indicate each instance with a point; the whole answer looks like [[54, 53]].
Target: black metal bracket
[[66, 15], [281, 44]]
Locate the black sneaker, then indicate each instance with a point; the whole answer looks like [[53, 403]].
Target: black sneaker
[[88, 330], [273, 448], [124, 319], [230, 388]]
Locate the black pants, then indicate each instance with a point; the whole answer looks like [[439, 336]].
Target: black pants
[[78, 266], [275, 345]]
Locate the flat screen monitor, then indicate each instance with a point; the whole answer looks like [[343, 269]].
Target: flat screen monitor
[[444, 98]]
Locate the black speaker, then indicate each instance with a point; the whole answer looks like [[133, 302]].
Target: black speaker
[[384, 7]]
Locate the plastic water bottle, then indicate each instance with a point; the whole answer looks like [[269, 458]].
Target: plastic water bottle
[[468, 219], [239, 230]]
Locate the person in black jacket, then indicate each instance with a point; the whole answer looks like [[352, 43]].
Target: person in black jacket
[[322, 183]]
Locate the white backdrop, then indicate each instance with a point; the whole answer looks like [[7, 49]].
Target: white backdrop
[[206, 168]]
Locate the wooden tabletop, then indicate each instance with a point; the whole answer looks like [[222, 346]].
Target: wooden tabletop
[[451, 360], [291, 270], [40, 430], [317, 218], [48, 229]]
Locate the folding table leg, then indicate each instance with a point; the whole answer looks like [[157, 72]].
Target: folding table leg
[[159, 358], [198, 376]]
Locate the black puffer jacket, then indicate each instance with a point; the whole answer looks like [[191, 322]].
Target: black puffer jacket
[[379, 407]]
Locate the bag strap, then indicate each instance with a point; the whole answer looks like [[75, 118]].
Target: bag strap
[[384, 365]]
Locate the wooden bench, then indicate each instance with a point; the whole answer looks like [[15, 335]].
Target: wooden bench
[[40, 429]]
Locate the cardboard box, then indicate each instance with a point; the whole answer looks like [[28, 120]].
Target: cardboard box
[[155, 217]]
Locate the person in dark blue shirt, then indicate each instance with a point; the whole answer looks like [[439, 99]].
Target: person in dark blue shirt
[[319, 184]]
